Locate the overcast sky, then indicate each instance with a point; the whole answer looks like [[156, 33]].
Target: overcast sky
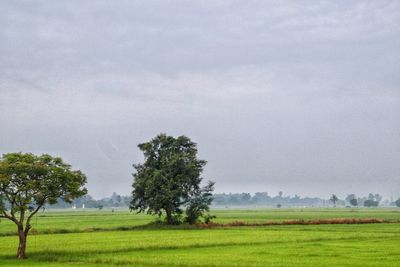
[[295, 96]]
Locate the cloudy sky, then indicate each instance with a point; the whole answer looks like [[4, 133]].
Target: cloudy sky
[[298, 96]]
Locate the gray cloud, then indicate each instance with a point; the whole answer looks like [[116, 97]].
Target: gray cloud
[[295, 96]]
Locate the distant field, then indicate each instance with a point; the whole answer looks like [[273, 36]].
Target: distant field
[[95, 240], [94, 220]]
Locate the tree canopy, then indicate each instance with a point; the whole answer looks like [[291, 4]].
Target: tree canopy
[[169, 178], [28, 182], [352, 199]]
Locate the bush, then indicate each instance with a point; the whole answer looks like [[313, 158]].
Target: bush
[[208, 218]]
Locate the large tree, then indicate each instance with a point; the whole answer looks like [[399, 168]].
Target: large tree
[[169, 178], [28, 182]]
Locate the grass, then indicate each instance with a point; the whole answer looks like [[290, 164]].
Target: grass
[[274, 245], [92, 220]]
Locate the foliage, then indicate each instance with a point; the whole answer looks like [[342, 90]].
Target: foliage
[[354, 202], [199, 204], [208, 218], [168, 179], [373, 200], [397, 202], [371, 203], [352, 199], [264, 199], [28, 182], [220, 199]]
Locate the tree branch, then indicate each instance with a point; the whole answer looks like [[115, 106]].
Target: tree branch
[[11, 218], [11, 200], [28, 221]]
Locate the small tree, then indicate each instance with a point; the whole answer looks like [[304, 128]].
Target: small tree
[[168, 179], [334, 199], [28, 182], [199, 203]]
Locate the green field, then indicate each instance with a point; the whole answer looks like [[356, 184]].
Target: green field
[[103, 238]]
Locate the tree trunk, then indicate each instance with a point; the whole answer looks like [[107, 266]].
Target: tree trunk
[[169, 216], [22, 244]]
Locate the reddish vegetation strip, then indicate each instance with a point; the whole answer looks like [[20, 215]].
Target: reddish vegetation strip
[[296, 222]]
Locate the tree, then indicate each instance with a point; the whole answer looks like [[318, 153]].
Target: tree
[[245, 198], [199, 203], [352, 199], [371, 203], [28, 182], [353, 202], [334, 199], [373, 200], [168, 179], [261, 197], [397, 202], [377, 198]]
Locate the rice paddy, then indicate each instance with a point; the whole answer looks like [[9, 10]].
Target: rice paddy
[[121, 238]]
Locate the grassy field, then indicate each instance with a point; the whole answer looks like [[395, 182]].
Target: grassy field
[[98, 238]]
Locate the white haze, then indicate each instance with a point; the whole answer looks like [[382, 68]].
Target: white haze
[[295, 96]]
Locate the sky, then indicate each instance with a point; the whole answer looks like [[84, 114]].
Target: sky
[[295, 96]]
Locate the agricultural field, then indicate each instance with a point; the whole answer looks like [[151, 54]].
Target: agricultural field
[[121, 238]]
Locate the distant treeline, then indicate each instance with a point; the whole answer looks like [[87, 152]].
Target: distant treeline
[[263, 199], [240, 199]]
